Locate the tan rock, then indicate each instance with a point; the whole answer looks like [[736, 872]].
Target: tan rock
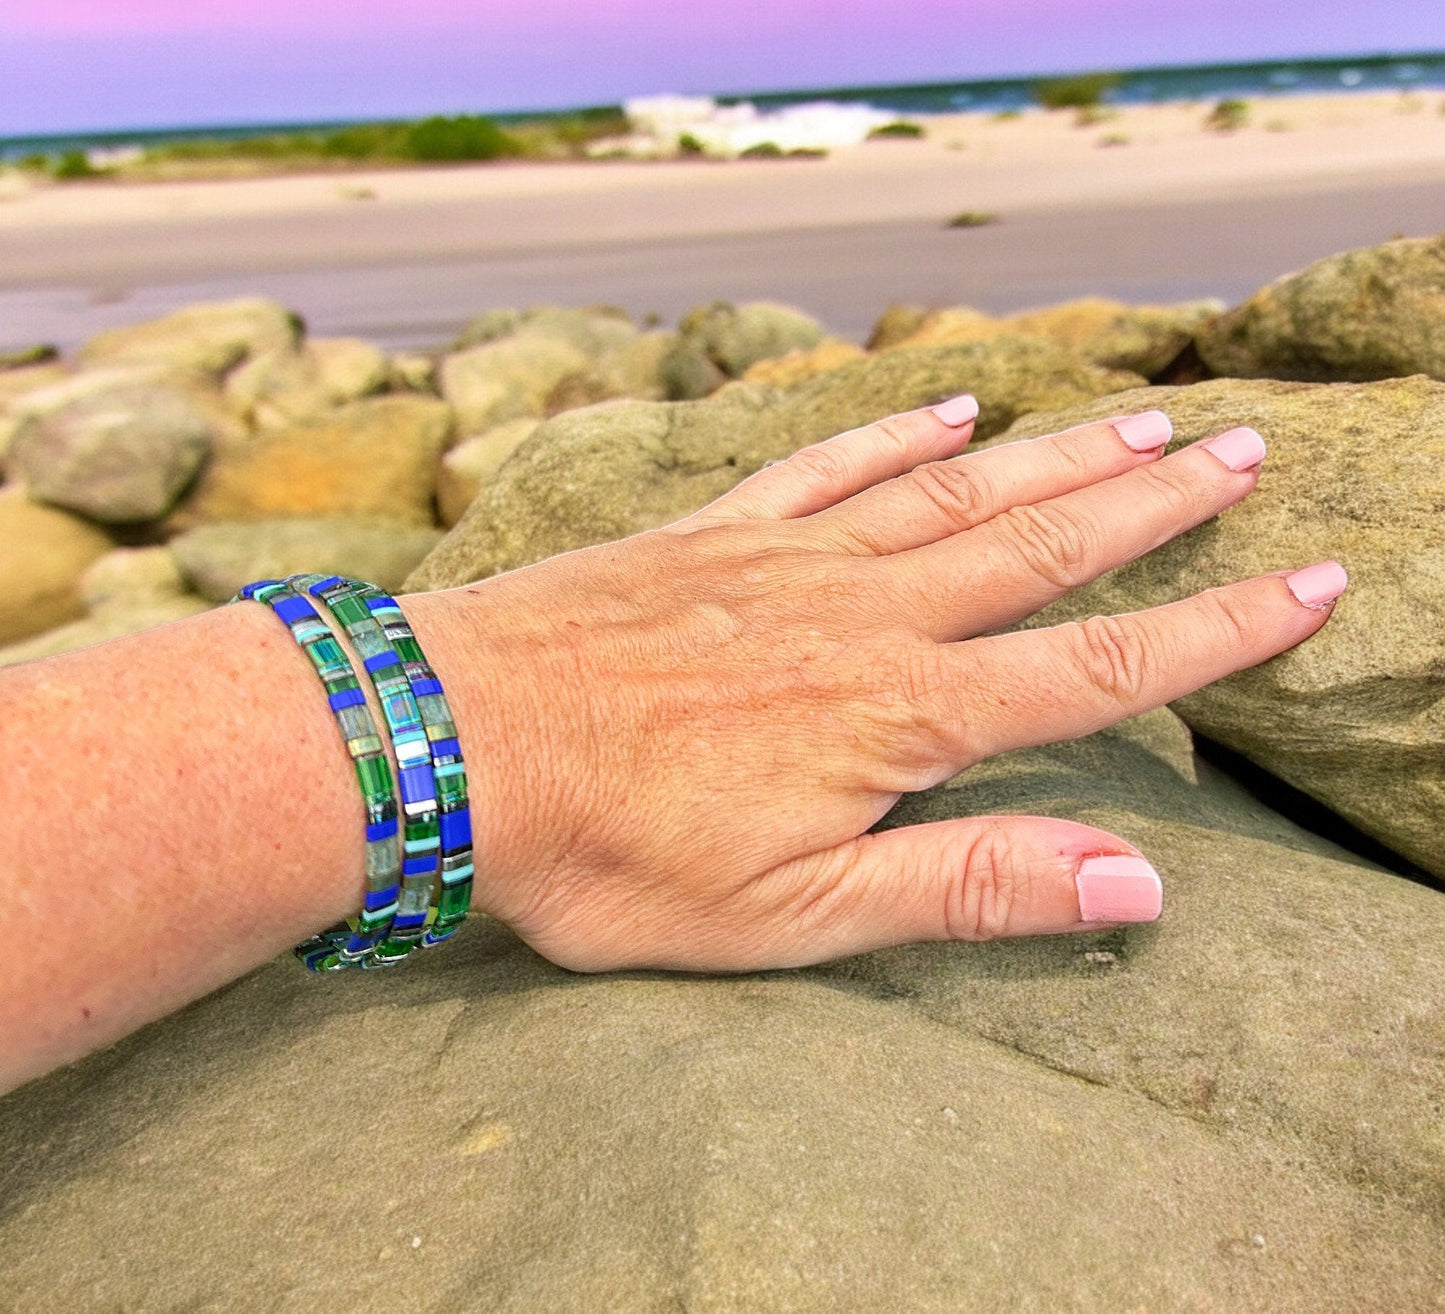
[[472, 463], [1355, 472], [954, 325], [217, 560], [508, 379], [375, 458], [130, 575], [735, 337], [896, 325], [203, 339], [413, 372], [286, 386], [787, 371], [1235, 1108], [43, 553], [132, 616], [602, 473], [1369, 314]]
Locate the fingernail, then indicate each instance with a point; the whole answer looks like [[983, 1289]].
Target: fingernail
[[1118, 889], [1146, 432], [1239, 449], [1317, 586], [957, 410]]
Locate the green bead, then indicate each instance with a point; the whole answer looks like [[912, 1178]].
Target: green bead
[[349, 611], [454, 901], [375, 776]]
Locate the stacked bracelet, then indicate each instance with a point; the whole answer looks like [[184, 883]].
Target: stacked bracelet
[[418, 897]]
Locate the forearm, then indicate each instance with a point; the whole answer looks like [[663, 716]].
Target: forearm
[[177, 808]]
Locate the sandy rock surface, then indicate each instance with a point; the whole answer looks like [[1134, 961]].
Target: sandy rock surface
[[1362, 315], [204, 339], [45, 551], [218, 559], [1234, 1108], [284, 386]]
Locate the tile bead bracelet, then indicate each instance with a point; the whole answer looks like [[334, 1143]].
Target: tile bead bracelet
[[430, 881]]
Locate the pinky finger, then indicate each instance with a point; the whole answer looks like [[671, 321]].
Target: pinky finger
[[817, 477], [975, 878]]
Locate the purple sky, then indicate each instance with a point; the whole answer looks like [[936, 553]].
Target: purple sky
[[91, 64]]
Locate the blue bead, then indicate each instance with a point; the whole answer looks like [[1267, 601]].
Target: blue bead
[[293, 609], [419, 866], [346, 698], [422, 687], [456, 828], [381, 661], [447, 748], [321, 585], [418, 784], [380, 830]]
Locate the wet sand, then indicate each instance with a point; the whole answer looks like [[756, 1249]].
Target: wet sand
[[405, 257]]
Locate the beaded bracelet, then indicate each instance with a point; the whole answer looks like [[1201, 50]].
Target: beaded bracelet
[[436, 866], [349, 943]]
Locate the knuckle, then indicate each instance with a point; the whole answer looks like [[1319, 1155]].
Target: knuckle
[[982, 904], [824, 464], [899, 431], [1114, 657], [956, 488], [1180, 490], [1237, 624], [1057, 546]]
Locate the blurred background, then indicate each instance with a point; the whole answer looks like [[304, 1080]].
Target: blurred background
[[388, 171]]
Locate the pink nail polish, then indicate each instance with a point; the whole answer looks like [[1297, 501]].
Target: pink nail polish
[[1317, 586], [957, 410], [1144, 433], [1239, 449], [1114, 888]]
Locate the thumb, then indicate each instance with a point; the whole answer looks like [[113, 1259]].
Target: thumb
[[975, 878]]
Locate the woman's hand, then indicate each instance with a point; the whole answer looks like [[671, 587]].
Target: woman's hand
[[679, 742]]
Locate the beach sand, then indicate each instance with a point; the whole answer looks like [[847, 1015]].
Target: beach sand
[[405, 256]]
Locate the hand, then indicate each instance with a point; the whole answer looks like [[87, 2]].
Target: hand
[[679, 742]]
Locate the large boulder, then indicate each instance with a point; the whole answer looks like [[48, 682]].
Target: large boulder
[[43, 553], [1144, 339], [124, 592], [204, 339], [593, 330], [1363, 315], [285, 386], [373, 459], [508, 379], [1236, 1107], [736, 337], [121, 452], [1356, 716], [608, 471], [217, 560], [472, 463], [798, 366]]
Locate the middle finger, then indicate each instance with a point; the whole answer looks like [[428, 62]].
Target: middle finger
[[1026, 557]]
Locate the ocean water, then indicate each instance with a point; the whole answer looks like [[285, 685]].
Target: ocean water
[[1206, 82]]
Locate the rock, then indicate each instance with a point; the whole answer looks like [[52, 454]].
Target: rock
[[15, 386], [608, 471], [489, 326], [735, 337], [1356, 716], [124, 592], [43, 553], [895, 325], [472, 463], [204, 339], [218, 559], [130, 575], [28, 357], [1360, 316], [635, 369], [1235, 1107], [413, 372], [508, 379], [1142, 339], [373, 459], [799, 366], [686, 374], [284, 386], [121, 453]]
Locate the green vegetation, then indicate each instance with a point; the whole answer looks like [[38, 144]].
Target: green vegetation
[[72, 166], [687, 144], [1114, 139], [1081, 92], [15, 360], [898, 128], [1228, 116], [764, 150], [973, 219]]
